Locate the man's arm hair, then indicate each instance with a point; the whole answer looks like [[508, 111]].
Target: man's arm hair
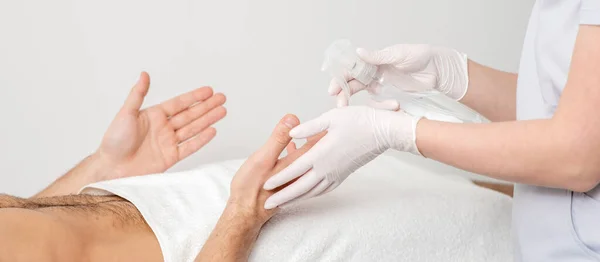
[[7, 201], [232, 238]]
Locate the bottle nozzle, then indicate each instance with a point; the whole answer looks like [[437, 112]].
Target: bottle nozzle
[[343, 64]]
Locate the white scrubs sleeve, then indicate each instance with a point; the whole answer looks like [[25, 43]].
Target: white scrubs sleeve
[[589, 14]]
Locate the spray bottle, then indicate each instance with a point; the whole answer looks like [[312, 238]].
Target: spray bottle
[[341, 60]]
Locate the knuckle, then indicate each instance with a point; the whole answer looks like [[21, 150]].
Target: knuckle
[[261, 162], [200, 108], [188, 133], [282, 136]]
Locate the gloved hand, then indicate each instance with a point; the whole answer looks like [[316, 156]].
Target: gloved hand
[[427, 67], [355, 136]]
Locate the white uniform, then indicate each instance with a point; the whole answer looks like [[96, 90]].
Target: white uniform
[[553, 224]]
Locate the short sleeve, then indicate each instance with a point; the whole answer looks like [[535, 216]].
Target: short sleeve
[[589, 14]]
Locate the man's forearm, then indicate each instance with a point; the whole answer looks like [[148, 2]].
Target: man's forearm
[[491, 92], [88, 171], [232, 239]]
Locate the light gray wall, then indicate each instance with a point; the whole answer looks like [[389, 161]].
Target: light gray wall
[[66, 66]]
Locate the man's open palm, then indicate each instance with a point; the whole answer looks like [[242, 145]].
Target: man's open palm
[[152, 140]]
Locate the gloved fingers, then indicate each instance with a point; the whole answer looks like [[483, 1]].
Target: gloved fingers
[[335, 85], [406, 57], [300, 166], [378, 57], [410, 82], [293, 191], [317, 190], [329, 188], [374, 89], [342, 100], [354, 87], [314, 139], [311, 127], [390, 104], [294, 170], [426, 78]]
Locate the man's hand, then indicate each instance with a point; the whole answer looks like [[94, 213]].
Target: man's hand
[[244, 215], [141, 142], [247, 195], [247, 191], [154, 139]]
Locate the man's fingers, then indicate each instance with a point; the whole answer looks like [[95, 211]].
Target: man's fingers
[[291, 148], [283, 162], [278, 140], [195, 143], [312, 140], [293, 191], [201, 123], [135, 99], [294, 170], [311, 127], [303, 160], [196, 111], [179, 103]]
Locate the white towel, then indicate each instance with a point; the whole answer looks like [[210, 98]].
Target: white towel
[[387, 211]]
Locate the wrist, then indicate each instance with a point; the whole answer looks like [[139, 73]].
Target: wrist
[[415, 123], [402, 132], [90, 170], [243, 216], [424, 131], [98, 168]]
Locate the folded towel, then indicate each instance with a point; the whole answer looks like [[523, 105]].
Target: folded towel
[[386, 211]]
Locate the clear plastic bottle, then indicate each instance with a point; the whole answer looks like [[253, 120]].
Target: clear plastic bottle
[[341, 60]]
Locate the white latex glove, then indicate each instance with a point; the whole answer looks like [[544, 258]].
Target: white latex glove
[[355, 136], [427, 67]]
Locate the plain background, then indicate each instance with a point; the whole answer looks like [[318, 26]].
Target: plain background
[[66, 66]]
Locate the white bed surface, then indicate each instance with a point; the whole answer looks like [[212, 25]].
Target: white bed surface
[[386, 211]]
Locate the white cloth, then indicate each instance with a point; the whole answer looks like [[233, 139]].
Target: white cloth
[[551, 224], [387, 211]]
